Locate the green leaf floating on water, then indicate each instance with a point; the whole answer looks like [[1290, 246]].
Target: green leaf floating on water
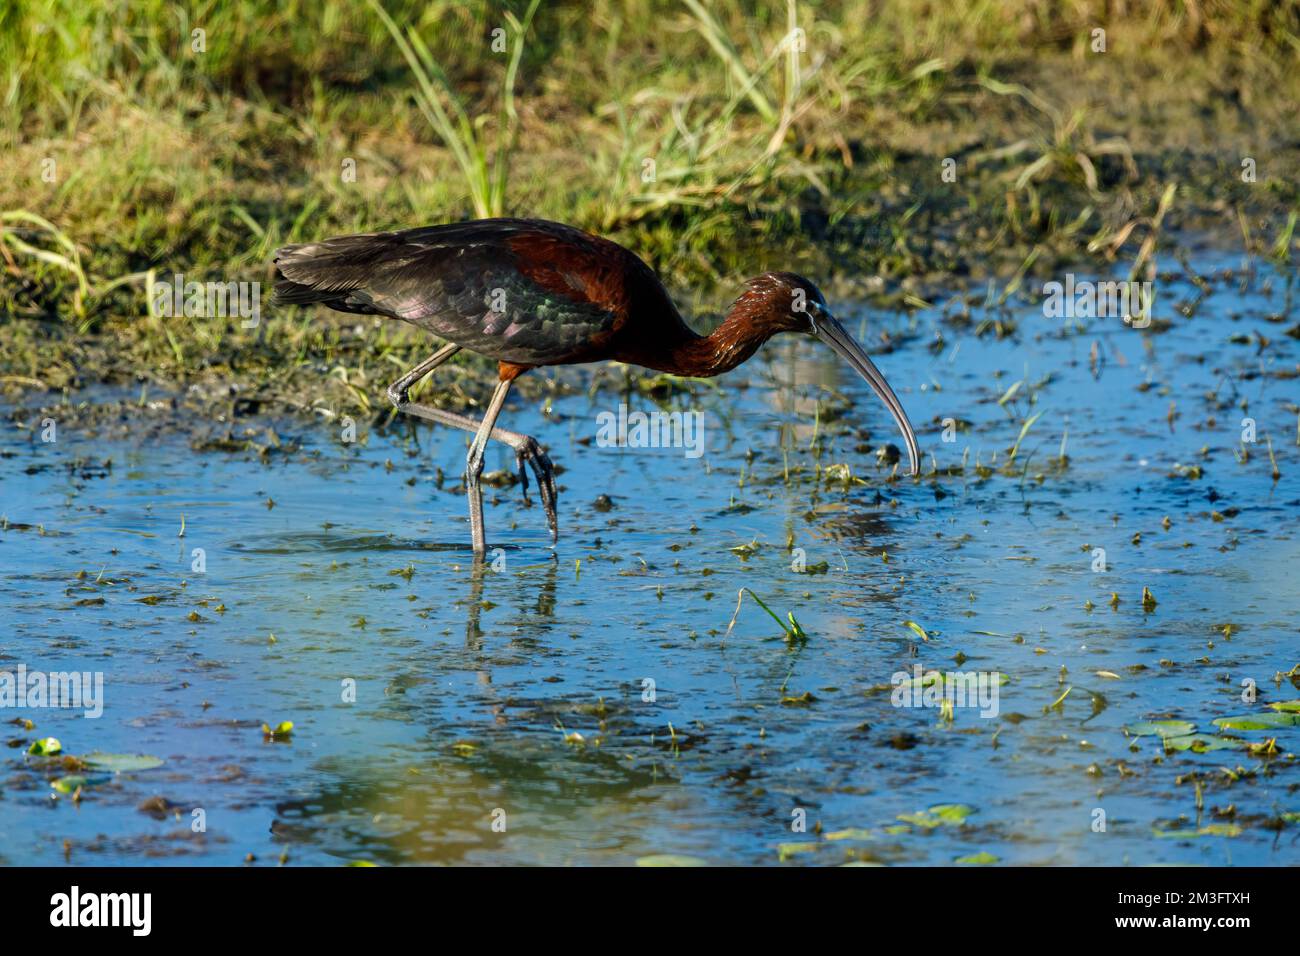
[[952, 813], [1200, 743], [1161, 728], [121, 763], [1258, 721], [1214, 829], [942, 814], [787, 850], [45, 747], [1290, 706], [670, 859], [68, 784], [852, 833], [982, 858], [942, 679]]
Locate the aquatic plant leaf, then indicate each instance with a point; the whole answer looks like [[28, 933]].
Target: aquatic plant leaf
[[1149, 601], [283, 729], [1258, 721], [942, 679], [45, 747], [983, 858], [1200, 743], [1213, 829], [851, 833], [792, 633], [1024, 430], [121, 763], [787, 850], [69, 784], [1162, 728], [920, 819], [952, 813], [941, 814]]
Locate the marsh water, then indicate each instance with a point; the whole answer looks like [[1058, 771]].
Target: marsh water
[[589, 705]]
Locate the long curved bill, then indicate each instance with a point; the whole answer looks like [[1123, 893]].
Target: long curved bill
[[833, 334]]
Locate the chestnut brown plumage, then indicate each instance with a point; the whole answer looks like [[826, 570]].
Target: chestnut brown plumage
[[531, 293]]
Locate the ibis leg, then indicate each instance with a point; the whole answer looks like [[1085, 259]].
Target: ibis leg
[[397, 392], [527, 451], [474, 466]]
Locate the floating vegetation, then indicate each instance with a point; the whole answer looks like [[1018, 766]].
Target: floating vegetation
[[943, 680], [1271, 721], [1162, 728], [917, 629], [70, 785], [794, 634], [942, 814], [121, 763], [786, 851], [1212, 829], [850, 833], [1201, 743], [281, 731], [1024, 430]]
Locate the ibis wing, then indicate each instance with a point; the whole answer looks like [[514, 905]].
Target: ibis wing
[[514, 290]]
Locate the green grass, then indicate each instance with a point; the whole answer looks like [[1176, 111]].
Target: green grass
[[717, 139]]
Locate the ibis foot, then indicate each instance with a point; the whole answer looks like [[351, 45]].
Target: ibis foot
[[528, 451]]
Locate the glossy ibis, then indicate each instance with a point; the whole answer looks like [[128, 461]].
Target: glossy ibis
[[529, 293]]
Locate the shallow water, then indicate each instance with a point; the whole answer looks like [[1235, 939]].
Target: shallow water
[[503, 715]]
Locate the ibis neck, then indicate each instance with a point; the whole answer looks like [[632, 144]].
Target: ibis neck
[[703, 356]]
